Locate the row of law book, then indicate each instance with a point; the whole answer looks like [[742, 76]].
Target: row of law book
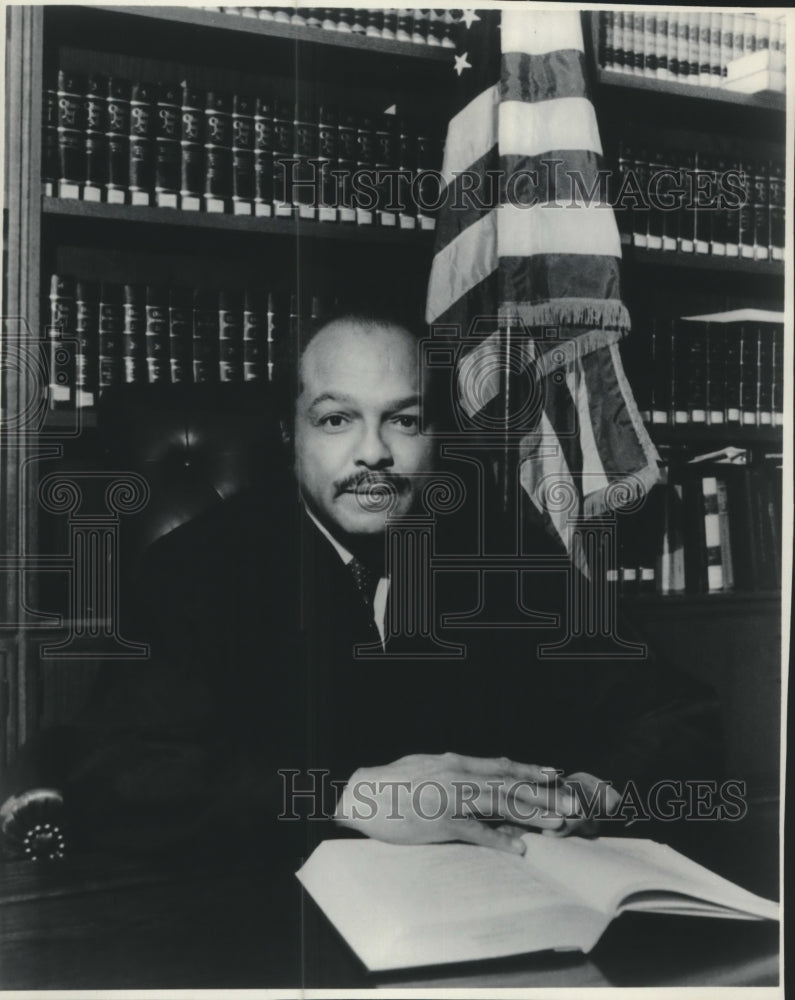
[[699, 202], [105, 334], [716, 528], [717, 369], [422, 27], [695, 47], [176, 146]]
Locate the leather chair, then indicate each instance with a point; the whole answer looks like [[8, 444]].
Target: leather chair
[[195, 445]]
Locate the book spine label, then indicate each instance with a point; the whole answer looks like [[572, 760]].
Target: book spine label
[[61, 331], [714, 559], [243, 153], [255, 322], [192, 151], [142, 150], [86, 333], [167, 148], [217, 153], [180, 337], [230, 341], [305, 137], [282, 158], [50, 168], [96, 140], [111, 325], [134, 335], [158, 365], [205, 339]]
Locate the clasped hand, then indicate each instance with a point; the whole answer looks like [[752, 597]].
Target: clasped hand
[[431, 798]]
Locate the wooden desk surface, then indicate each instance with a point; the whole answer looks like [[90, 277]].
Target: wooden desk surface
[[96, 923]]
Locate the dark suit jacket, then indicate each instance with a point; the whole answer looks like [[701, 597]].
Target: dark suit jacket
[[252, 618]]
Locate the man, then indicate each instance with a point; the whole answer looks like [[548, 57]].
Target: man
[[256, 693]]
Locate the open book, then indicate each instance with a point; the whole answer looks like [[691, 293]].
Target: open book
[[400, 907]]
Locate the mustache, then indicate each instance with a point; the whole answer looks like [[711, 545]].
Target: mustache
[[365, 481]]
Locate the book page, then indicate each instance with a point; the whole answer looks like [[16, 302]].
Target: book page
[[421, 904], [607, 870]]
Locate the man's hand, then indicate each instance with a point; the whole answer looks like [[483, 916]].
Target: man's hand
[[425, 798]]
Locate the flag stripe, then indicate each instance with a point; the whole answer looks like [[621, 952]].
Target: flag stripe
[[461, 264], [551, 178], [569, 276], [471, 133], [564, 123], [469, 197], [542, 78], [537, 33], [553, 229]]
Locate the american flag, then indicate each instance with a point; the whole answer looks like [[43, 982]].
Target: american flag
[[532, 257]]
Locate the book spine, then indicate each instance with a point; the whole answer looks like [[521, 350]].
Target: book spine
[[263, 158], [712, 535], [719, 217], [749, 374], [661, 45], [705, 49], [111, 327], [623, 212], [638, 43], [328, 151], [217, 152], [716, 375], [142, 146], [282, 159], [650, 45], [158, 366], [71, 135], [270, 335], [766, 359], [657, 213], [704, 181], [732, 354], [205, 336], [50, 168], [191, 149], [346, 165], [117, 117], [671, 569], [134, 334], [620, 41], [95, 138], [180, 335], [427, 183], [607, 39], [386, 159], [777, 199], [87, 336], [696, 569], [243, 110], [680, 382], [724, 515], [761, 211], [715, 49], [167, 147], [745, 217], [406, 158], [365, 200], [660, 370], [686, 214], [305, 138], [255, 327], [778, 376], [230, 338], [60, 332]]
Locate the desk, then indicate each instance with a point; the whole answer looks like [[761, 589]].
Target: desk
[[97, 923]]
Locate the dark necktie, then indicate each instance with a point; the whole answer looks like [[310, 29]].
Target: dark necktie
[[366, 581]]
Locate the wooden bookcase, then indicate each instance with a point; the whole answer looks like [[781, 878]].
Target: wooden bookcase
[[48, 235]]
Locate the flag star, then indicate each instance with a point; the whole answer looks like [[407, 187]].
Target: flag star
[[469, 18], [461, 64]]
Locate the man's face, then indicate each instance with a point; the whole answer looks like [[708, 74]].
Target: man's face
[[357, 420]]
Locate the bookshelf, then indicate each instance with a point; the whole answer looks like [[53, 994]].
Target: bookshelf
[[119, 243]]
